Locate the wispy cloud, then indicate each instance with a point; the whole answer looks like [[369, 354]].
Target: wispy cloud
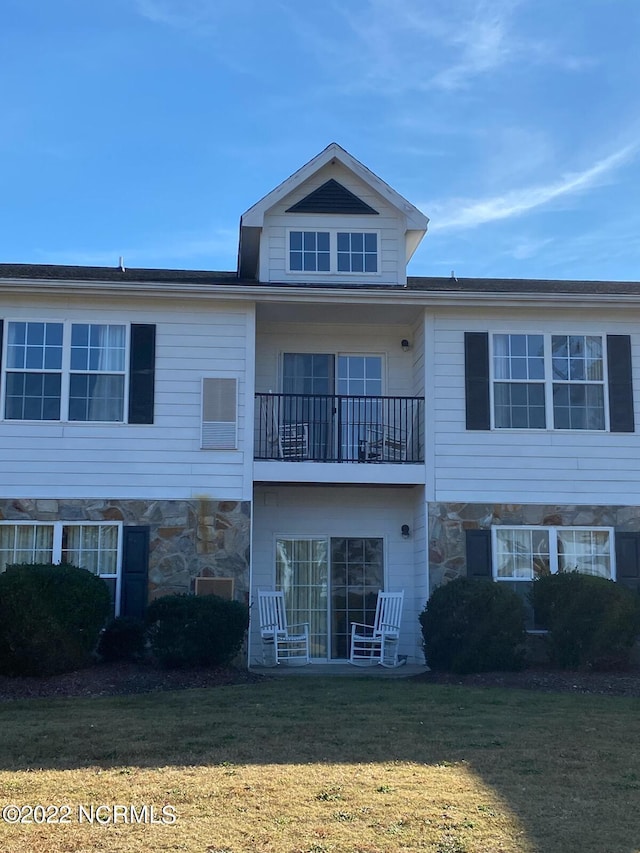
[[465, 213], [186, 14], [397, 46]]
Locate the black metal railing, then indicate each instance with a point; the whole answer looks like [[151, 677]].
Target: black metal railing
[[323, 428]]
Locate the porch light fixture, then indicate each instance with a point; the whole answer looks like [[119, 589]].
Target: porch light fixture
[[406, 531], [406, 346]]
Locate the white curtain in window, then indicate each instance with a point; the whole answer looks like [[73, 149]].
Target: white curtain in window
[[501, 357], [107, 391], [25, 543], [586, 551], [302, 574], [92, 547]]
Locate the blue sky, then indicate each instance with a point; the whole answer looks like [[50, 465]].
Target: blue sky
[[144, 128]]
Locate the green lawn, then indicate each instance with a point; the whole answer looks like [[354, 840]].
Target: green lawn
[[308, 766]]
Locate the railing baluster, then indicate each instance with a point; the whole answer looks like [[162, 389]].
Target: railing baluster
[[342, 428]]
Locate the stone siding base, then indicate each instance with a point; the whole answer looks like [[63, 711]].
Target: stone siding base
[[449, 521], [188, 539]]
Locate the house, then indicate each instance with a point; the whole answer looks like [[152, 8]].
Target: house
[[317, 420]]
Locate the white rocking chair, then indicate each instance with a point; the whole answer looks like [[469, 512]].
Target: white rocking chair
[[280, 643], [378, 643]]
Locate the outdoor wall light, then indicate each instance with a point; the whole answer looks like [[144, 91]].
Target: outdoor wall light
[[406, 531], [406, 346]]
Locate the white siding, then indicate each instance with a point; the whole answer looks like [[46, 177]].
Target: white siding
[[160, 460], [356, 512], [390, 223], [276, 338], [528, 466]]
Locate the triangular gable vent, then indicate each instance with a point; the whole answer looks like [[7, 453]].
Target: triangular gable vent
[[332, 197]]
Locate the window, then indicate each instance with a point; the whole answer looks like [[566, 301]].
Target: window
[[96, 389], [524, 553], [333, 251], [34, 371], [357, 252], [309, 251], [62, 371], [534, 374], [578, 381], [92, 546], [518, 370]]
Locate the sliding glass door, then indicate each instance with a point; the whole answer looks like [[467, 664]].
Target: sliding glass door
[[330, 583]]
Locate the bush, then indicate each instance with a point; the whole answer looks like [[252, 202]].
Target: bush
[[592, 622], [473, 626], [122, 640], [50, 618], [187, 630]]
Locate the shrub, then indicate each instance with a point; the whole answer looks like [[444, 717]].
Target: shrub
[[473, 625], [187, 630], [122, 640], [592, 622], [50, 618]]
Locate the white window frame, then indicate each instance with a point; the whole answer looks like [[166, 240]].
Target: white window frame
[[65, 369], [56, 550], [333, 250], [552, 531], [548, 381]]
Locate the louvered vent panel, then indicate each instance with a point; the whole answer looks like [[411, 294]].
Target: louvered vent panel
[[222, 587], [219, 414]]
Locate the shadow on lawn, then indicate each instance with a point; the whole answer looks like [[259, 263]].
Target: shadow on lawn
[[562, 763]]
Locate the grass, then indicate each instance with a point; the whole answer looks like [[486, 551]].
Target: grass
[[328, 766]]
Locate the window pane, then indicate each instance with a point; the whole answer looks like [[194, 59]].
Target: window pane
[[371, 242], [323, 262], [370, 263], [295, 240]]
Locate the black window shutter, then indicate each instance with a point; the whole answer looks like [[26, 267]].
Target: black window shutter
[[142, 373], [135, 572], [620, 383], [1, 331], [628, 560], [479, 554], [476, 380]]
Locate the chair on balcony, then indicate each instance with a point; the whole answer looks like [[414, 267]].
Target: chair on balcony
[[293, 441], [281, 643], [387, 444], [378, 643]]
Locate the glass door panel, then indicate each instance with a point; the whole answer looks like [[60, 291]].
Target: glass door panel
[[358, 376], [357, 573], [309, 379], [302, 573]]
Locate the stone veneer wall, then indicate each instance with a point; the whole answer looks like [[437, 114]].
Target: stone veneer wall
[[448, 522], [187, 538]]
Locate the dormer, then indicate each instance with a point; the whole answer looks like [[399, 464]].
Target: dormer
[[332, 222]]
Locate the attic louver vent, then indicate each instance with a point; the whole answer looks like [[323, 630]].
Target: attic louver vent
[[332, 197], [219, 420]]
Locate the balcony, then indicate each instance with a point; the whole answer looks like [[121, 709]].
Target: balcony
[[324, 428]]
